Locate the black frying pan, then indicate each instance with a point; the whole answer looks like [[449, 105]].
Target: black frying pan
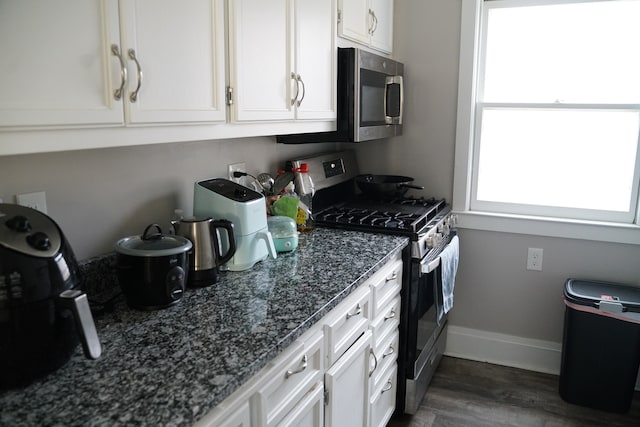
[[385, 185]]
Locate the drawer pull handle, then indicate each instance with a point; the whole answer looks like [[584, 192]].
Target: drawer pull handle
[[394, 276], [356, 312], [388, 352], [375, 362], [390, 315], [300, 369], [387, 387]]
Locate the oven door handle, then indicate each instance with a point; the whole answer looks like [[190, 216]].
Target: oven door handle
[[428, 267]]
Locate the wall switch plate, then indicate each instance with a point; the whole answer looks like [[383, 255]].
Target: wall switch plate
[[534, 259], [240, 167], [36, 200]]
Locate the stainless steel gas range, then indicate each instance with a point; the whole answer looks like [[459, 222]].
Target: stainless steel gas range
[[430, 227]]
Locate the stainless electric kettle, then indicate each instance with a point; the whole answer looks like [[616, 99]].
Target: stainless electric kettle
[[206, 256]]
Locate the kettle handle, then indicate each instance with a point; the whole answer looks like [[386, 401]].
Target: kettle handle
[[77, 302], [227, 225]]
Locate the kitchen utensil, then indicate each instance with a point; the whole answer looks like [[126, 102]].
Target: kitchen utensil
[[280, 182], [266, 183], [43, 309], [244, 207], [206, 256], [385, 185], [152, 268], [284, 232]]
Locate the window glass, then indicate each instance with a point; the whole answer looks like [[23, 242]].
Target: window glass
[[558, 109]]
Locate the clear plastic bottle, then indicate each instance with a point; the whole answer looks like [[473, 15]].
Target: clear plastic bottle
[[306, 190]]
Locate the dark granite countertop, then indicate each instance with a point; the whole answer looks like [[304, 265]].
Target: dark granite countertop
[[172, 366]]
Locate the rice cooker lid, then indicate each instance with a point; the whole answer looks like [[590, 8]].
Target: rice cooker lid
[[153, 244]]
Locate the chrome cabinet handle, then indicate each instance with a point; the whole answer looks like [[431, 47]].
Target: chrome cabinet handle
[[115, 51], [390, 315], [300, 369], [394, 276], [304, 89], [375, 361], [295, 78], [134, 95], [387, 387], [356, 312], [389, 352], [374, 22]]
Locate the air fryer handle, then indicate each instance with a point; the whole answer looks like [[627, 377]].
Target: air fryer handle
[[77, 302], [227, 225]]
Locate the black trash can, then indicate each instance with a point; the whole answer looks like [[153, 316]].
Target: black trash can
[[601, 344]]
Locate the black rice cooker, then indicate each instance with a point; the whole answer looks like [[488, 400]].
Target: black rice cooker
[[152, 268], [44, 312]]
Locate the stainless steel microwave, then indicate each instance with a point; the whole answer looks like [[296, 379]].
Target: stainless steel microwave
[[370, 100]]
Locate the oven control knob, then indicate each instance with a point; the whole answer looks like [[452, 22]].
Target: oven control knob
[[437, 238], [430, 242]]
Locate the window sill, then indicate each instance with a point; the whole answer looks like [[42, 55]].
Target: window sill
[[552, 227]]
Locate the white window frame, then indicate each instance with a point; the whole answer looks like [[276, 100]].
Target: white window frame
[[464, 156]]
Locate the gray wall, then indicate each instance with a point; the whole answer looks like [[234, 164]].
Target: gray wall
[[98, 196], [494, 291]]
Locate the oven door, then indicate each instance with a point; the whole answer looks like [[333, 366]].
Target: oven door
[[426, 332], [425, 325]]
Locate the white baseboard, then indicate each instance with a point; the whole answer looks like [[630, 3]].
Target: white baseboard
[[506, 350]]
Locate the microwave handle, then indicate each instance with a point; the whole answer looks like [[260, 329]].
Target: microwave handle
[[390, 80]]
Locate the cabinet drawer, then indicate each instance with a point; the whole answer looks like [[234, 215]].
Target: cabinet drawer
[[290, 379], [383, 399], [387, 320], [386, 356], [344, 325], [385, 285], [309, 412]]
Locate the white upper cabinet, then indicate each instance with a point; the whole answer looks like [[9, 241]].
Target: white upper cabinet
[[73, 62], [57, 68], [369, 22], [174, 53], [282, 60]]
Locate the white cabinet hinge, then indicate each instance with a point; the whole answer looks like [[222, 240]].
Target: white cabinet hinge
[[229, 95], [326, 397], [339, 16]]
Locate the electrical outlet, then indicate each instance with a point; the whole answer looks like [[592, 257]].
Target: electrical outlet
[[240, 167], [36, 200], [534, 259]]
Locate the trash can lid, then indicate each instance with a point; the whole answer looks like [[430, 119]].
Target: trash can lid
[[599, 294]]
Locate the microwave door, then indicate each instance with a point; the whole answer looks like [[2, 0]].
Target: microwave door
[[393, 100]]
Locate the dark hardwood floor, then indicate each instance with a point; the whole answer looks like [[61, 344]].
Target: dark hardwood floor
[[474, 394]]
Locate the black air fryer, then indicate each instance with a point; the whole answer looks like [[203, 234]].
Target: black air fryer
[[43, 310]]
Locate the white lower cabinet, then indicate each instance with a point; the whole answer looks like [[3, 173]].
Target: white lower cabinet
[[340, 373], [347, 386], [289, 380], [309, 412], [383, 398]]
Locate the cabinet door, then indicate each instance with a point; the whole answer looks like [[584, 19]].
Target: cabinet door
[[355, 20], [179, 47], [382, 30], [57, 68], [316, 58], [347, 384], [261, 59]]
